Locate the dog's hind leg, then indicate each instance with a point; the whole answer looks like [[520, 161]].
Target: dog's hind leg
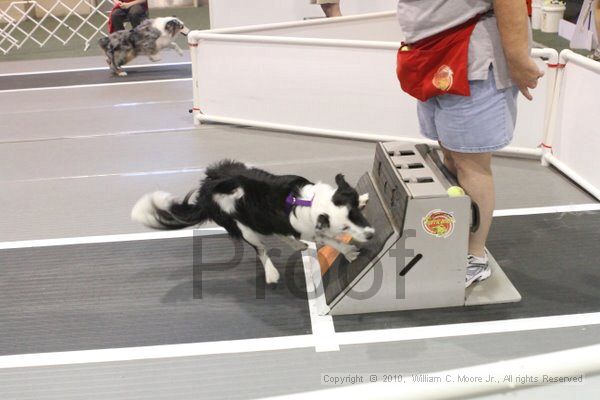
[[271, 273]]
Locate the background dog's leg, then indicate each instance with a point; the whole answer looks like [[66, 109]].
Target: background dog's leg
[[363, 199], [349, 251], [118, 60], [271, 273], [175, 47], [294, 243]]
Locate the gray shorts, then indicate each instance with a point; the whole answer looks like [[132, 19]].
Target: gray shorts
[[481, 123], [324, 1]]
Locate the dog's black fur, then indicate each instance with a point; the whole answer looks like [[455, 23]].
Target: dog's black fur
[[261, 208], [250, 203], [346, 195]]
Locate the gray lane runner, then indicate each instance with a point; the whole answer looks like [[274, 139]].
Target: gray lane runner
[[132, 294], [135, 74], [268, 373], [552, 259], [140, 293]]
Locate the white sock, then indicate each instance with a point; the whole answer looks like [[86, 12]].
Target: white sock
[[480, 260]]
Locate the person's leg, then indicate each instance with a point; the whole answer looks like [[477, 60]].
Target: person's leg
[[469, 129], [331, 10], [136, 15], [118, 18], [448, 160], [474, 173], [597, 21]]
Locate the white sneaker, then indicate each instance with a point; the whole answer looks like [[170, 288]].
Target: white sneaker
[[478, 269]]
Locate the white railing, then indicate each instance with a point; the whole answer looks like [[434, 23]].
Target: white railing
[[333, 78], [30, 21], [573, 136]]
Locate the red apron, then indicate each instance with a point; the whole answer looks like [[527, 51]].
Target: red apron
[[438, 64], [115, 7]]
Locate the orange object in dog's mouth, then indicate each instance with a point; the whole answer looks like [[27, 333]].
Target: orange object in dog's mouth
[[327, 255]]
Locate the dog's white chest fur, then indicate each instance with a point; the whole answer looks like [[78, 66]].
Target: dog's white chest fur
[[304, 219], [165, 39]]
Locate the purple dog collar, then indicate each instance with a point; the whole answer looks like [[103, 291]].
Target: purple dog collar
[[292, 201]]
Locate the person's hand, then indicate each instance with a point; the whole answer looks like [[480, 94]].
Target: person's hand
[[525, 74], [125, 6], [118, 3]]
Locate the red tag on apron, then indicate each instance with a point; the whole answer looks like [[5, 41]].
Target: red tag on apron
[[438, 64]]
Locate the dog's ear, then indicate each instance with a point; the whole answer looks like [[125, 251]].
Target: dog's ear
[[322, 222], [363, 199], [170, 27], [341, 181]]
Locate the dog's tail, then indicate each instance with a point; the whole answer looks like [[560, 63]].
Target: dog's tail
[[161, 210]]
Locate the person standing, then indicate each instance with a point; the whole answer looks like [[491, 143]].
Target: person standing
[[134, 11], [589, 18], [596, 54], [331, 8], [477, 61]]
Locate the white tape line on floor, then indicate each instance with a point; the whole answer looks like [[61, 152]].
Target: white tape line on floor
[[322, 325], [189, 232], [127, 237], [548, 210], [296, 342], [37, 89], [128, 67]]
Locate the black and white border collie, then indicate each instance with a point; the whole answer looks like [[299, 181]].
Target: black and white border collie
[[251, 203], [148, 38]]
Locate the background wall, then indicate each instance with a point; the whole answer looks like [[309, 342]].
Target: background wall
[[256, 12]]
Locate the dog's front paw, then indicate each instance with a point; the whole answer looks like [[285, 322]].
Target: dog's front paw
[[154, 58], [271, 276], [302, 246], [299, 246], [121, 73], [352, 254]]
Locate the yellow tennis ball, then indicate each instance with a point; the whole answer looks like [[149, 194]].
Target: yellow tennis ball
[[455, 191]]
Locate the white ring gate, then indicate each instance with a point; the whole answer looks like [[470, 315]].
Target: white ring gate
[[14, 32], [336, 78]]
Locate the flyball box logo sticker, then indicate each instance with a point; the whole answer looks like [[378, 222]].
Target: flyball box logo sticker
[[443, 78], [439, 223]]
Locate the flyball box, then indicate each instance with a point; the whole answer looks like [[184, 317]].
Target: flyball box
[[418, 256]]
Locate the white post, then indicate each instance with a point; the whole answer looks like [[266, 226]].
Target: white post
[[194, 42]]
